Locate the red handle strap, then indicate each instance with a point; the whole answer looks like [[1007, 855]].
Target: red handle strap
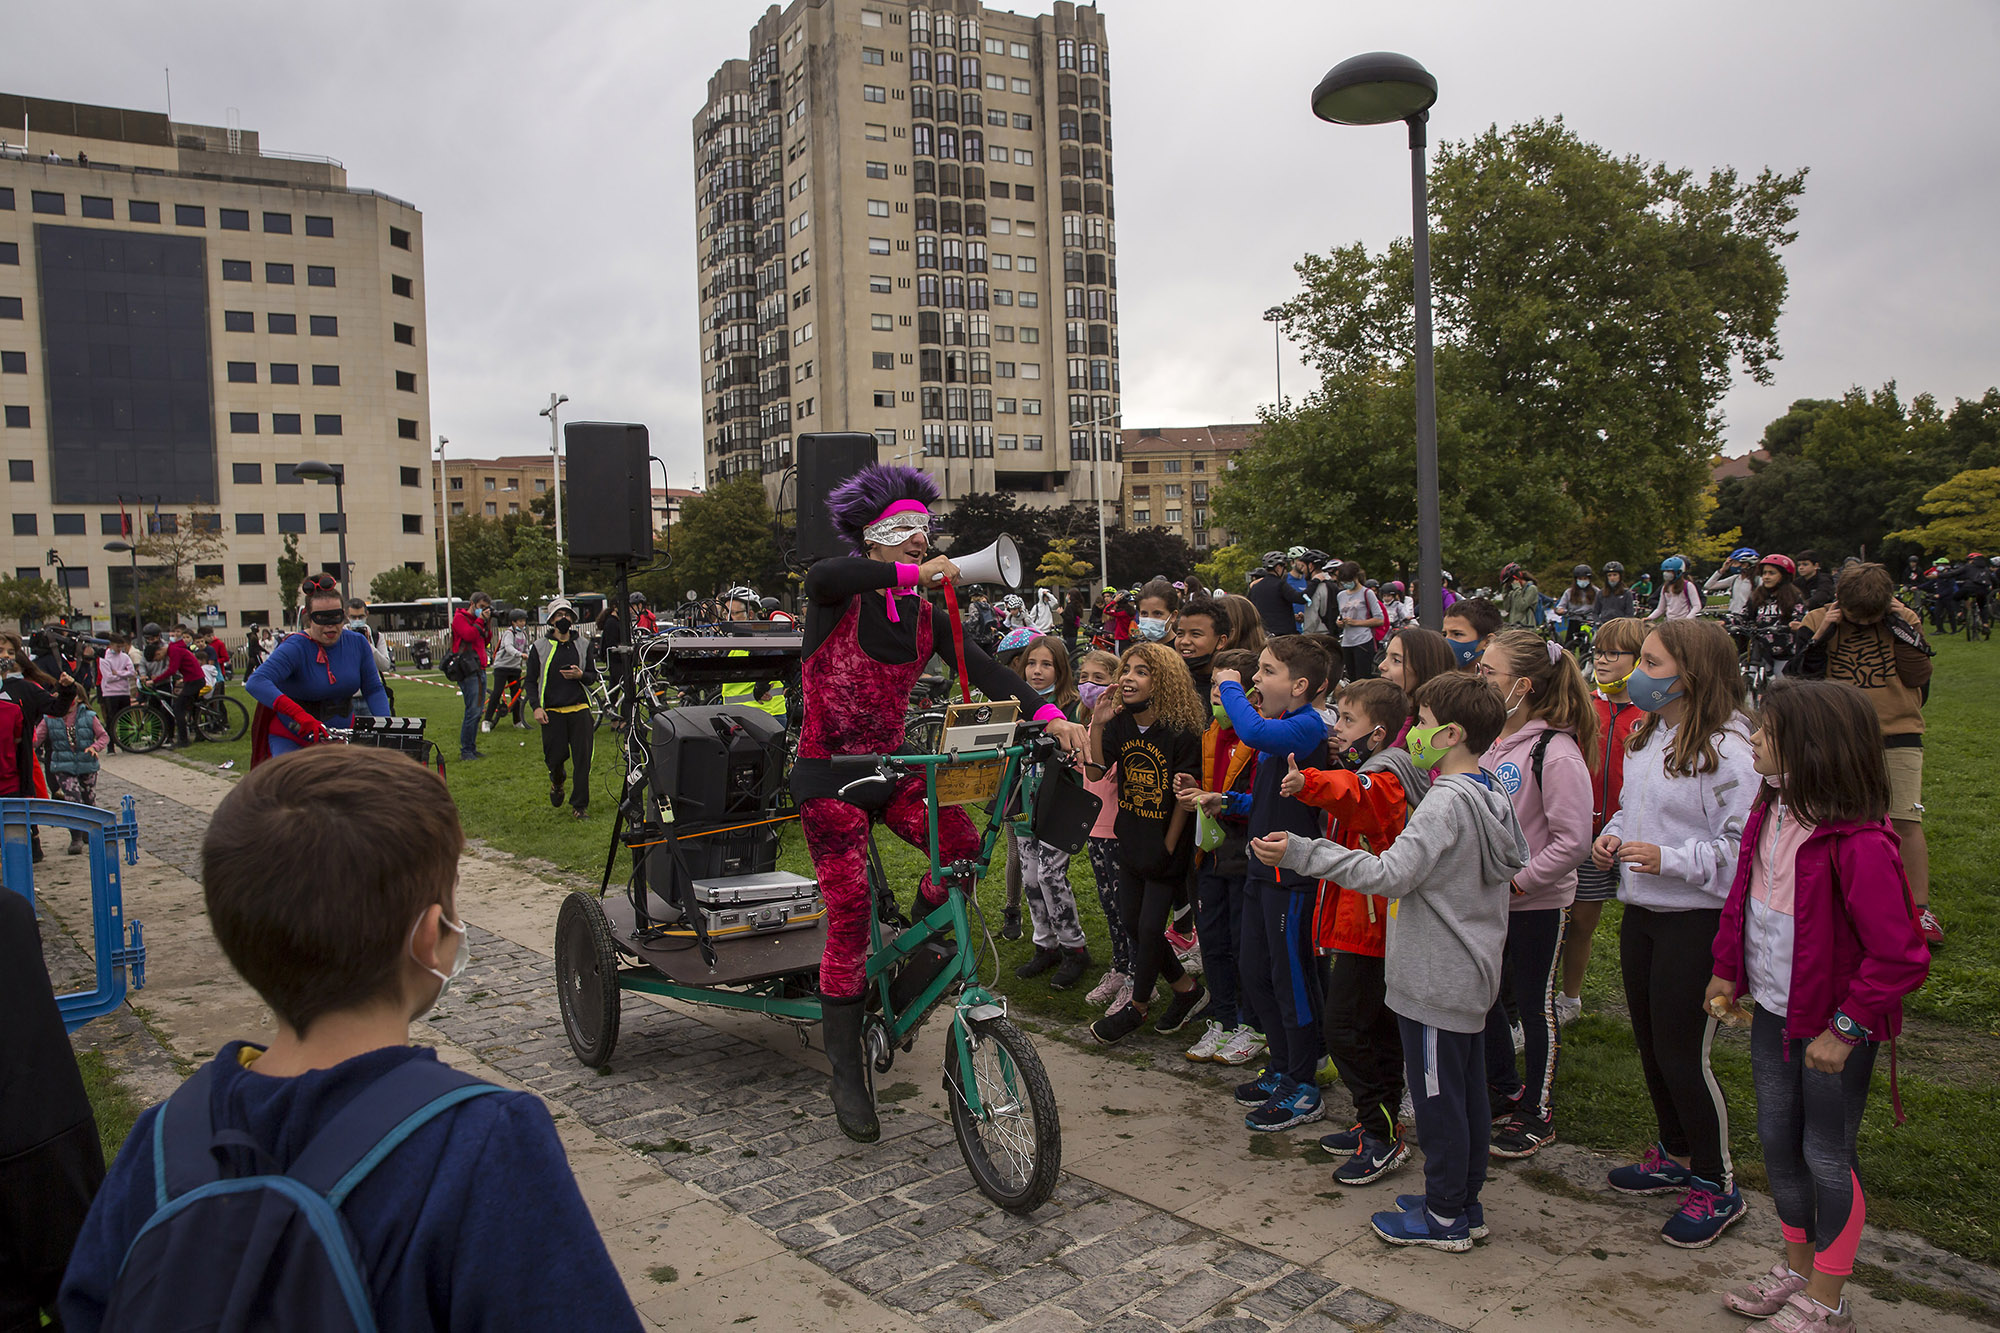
[[957, 639]]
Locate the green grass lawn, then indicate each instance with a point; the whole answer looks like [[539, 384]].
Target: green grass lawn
[[1916, 1172]]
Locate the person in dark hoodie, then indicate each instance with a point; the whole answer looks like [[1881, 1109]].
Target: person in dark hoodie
[[1449, 871], [557, 674]]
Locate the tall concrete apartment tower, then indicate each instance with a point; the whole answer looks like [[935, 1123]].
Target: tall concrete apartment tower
[[904, 226]]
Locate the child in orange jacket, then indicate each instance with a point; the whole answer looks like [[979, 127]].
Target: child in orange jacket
[[1367, 799]]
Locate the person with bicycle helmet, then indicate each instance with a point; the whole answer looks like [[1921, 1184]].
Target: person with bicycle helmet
[[1678, 598], [1775, 605], [1735, 578], [868, 633], [1616, 600], [1577, 607], [308, 682], [1276, 600], [741, 604], [1975, 587]]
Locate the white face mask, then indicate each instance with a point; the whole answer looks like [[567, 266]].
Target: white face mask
[[458, 962]]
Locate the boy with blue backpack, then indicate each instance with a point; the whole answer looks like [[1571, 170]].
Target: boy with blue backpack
[[340, 1178]]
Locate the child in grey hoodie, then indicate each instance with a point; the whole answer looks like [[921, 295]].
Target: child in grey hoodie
[[1449, 870]]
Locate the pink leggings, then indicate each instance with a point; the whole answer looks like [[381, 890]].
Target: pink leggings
[[837, 837]]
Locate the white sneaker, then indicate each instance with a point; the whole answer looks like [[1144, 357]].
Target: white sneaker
[[1567, 1008], [1106, 987], [484, 725], [1123, 998], [1244, 1045], [1213, 1039], [1520, 1038]]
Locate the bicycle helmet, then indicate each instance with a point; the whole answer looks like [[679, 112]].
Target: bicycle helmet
[[1017, 638], [1508, 571], [1396, 586], [1444, 575], [1973, 555], [1743, 553], [636, 599], [1317, 557], [1274, 559], [1375, 583], [741, 593], [1673, 564], [1583, 572], [1296, 553], [1782, 563], [1613, 567]]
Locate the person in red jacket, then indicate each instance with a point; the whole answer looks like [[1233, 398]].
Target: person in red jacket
[[1820, 930], [1367, 797], [469, 633], [187, 680], [1615, 652]]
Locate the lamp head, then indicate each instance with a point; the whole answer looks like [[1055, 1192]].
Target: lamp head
[[318, 471], [1374, 89]]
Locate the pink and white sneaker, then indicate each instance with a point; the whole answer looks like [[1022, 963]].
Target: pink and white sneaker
[[1933, 929], [1106, 987], [1764, 1296], [1803, 1314]]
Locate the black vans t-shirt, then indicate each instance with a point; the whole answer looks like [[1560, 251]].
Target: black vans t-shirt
[[1147, 762]]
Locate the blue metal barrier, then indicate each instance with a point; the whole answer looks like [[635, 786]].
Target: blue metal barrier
[[119, 944]]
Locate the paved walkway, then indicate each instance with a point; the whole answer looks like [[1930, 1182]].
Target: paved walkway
[[709, 1156]]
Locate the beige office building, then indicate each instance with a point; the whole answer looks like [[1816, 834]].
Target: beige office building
[[905, 226], [1170, 472], [184, 318]]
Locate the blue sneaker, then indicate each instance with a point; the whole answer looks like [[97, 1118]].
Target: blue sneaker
[[1705, 1214], [1375, 1158], [1297, 1104], [1268, 1085], [1656, 1173], [1342, 1142], [1475, 1214], [1418, 1227]]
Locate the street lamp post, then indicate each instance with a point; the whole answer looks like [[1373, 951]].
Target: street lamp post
[[1275, 315], [556, 400], [121, 547], [337, 474], [1097, 484], [444, 522], [1374, 89], [62, 578]]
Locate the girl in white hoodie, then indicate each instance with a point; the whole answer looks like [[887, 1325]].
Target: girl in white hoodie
[[1690, 776]]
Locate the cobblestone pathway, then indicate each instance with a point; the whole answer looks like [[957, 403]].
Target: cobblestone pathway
[[899, 1219]]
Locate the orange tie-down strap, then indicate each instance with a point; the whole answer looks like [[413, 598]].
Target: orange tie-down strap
[[709, 833]]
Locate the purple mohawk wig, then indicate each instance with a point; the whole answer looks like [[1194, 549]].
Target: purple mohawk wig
[[860, 500]]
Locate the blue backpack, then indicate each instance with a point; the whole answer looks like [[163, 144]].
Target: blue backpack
[[232, 1252]]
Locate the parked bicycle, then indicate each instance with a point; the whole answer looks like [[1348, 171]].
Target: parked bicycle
[[148, 722]]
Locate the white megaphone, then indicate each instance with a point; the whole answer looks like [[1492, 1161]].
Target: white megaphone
[[999, 563]]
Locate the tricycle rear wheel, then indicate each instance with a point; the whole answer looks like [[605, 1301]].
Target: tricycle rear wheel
[[587, 978], [1014, 1148]]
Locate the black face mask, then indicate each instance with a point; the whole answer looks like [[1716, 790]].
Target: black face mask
[[561, 628], [1199, 663]]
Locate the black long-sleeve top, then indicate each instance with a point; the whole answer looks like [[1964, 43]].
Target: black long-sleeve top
[[831, 583], [547, 686]]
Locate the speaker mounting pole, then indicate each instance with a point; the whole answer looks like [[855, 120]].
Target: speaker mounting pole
[[555, 457]]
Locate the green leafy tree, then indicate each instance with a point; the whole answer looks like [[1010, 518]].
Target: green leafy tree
[[291, 571], [28, 599], [172, 590], [1590, 311], [530, 572], [977, 521], [1964, 515], [402, 584], [725, 537], [1227, 568], [1061, 567], [1139, 554]]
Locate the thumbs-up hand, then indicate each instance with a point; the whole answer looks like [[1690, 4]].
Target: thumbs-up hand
[[1295, 781]]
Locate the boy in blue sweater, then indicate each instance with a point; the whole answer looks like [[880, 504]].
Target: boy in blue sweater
[[1276, 966], [329, 879]]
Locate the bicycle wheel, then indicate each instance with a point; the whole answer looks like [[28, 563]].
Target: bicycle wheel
[[587, 978], [222, 719], [142, 728], [1014, 1147]]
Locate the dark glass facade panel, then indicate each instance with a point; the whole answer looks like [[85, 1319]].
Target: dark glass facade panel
[[125, 322], [250, 525], [190, 215], [246, 474], [96, 206], [277, 323], [318, 226], [69, 525], [13, 363]]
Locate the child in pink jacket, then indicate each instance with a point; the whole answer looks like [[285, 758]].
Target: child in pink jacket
[[1820, 931]]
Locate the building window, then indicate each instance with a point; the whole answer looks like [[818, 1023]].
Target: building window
[[190, 215], [27, 525], [20, 469], [413, 523], [877, 133], [878, 171], [277, 323], [884, 360], [247, 474], [1141, 517], [235, 219], [326, 423], [414, 477], [96, 206], [882, 323], [885, 398], [13, 363], [284, 423], [871, 18], [242, 423], [71, 525], [326, 376], [871, 55], [1022, 86], [878, 245], [236, 270], [242, 372], [291, 523], [329, 522], [279, 224], [48, 201], [278, 274], [284, 372], [406, 429], [17, 417], [319, 275], [492, 509], [250, 525], [252, 573], [1171, 465], [318, 226], [405, 333], [406, 381], [871, 93], [239, 321], [10, 307], [399, 286], [324, 326], [399, 238]]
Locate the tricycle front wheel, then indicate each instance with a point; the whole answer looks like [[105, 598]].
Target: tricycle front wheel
[[1013, 1143]]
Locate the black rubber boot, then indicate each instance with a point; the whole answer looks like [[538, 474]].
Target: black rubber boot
[[853, 1096], [1074, 962], [1043, 961]]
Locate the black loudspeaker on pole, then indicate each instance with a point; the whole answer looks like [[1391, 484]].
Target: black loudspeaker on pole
[[608, 501], [826, 458]]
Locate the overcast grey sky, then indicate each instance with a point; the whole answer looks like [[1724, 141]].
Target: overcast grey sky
[[548, 147]]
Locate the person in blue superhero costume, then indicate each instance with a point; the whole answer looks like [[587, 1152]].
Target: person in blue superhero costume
[[308, 682]]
